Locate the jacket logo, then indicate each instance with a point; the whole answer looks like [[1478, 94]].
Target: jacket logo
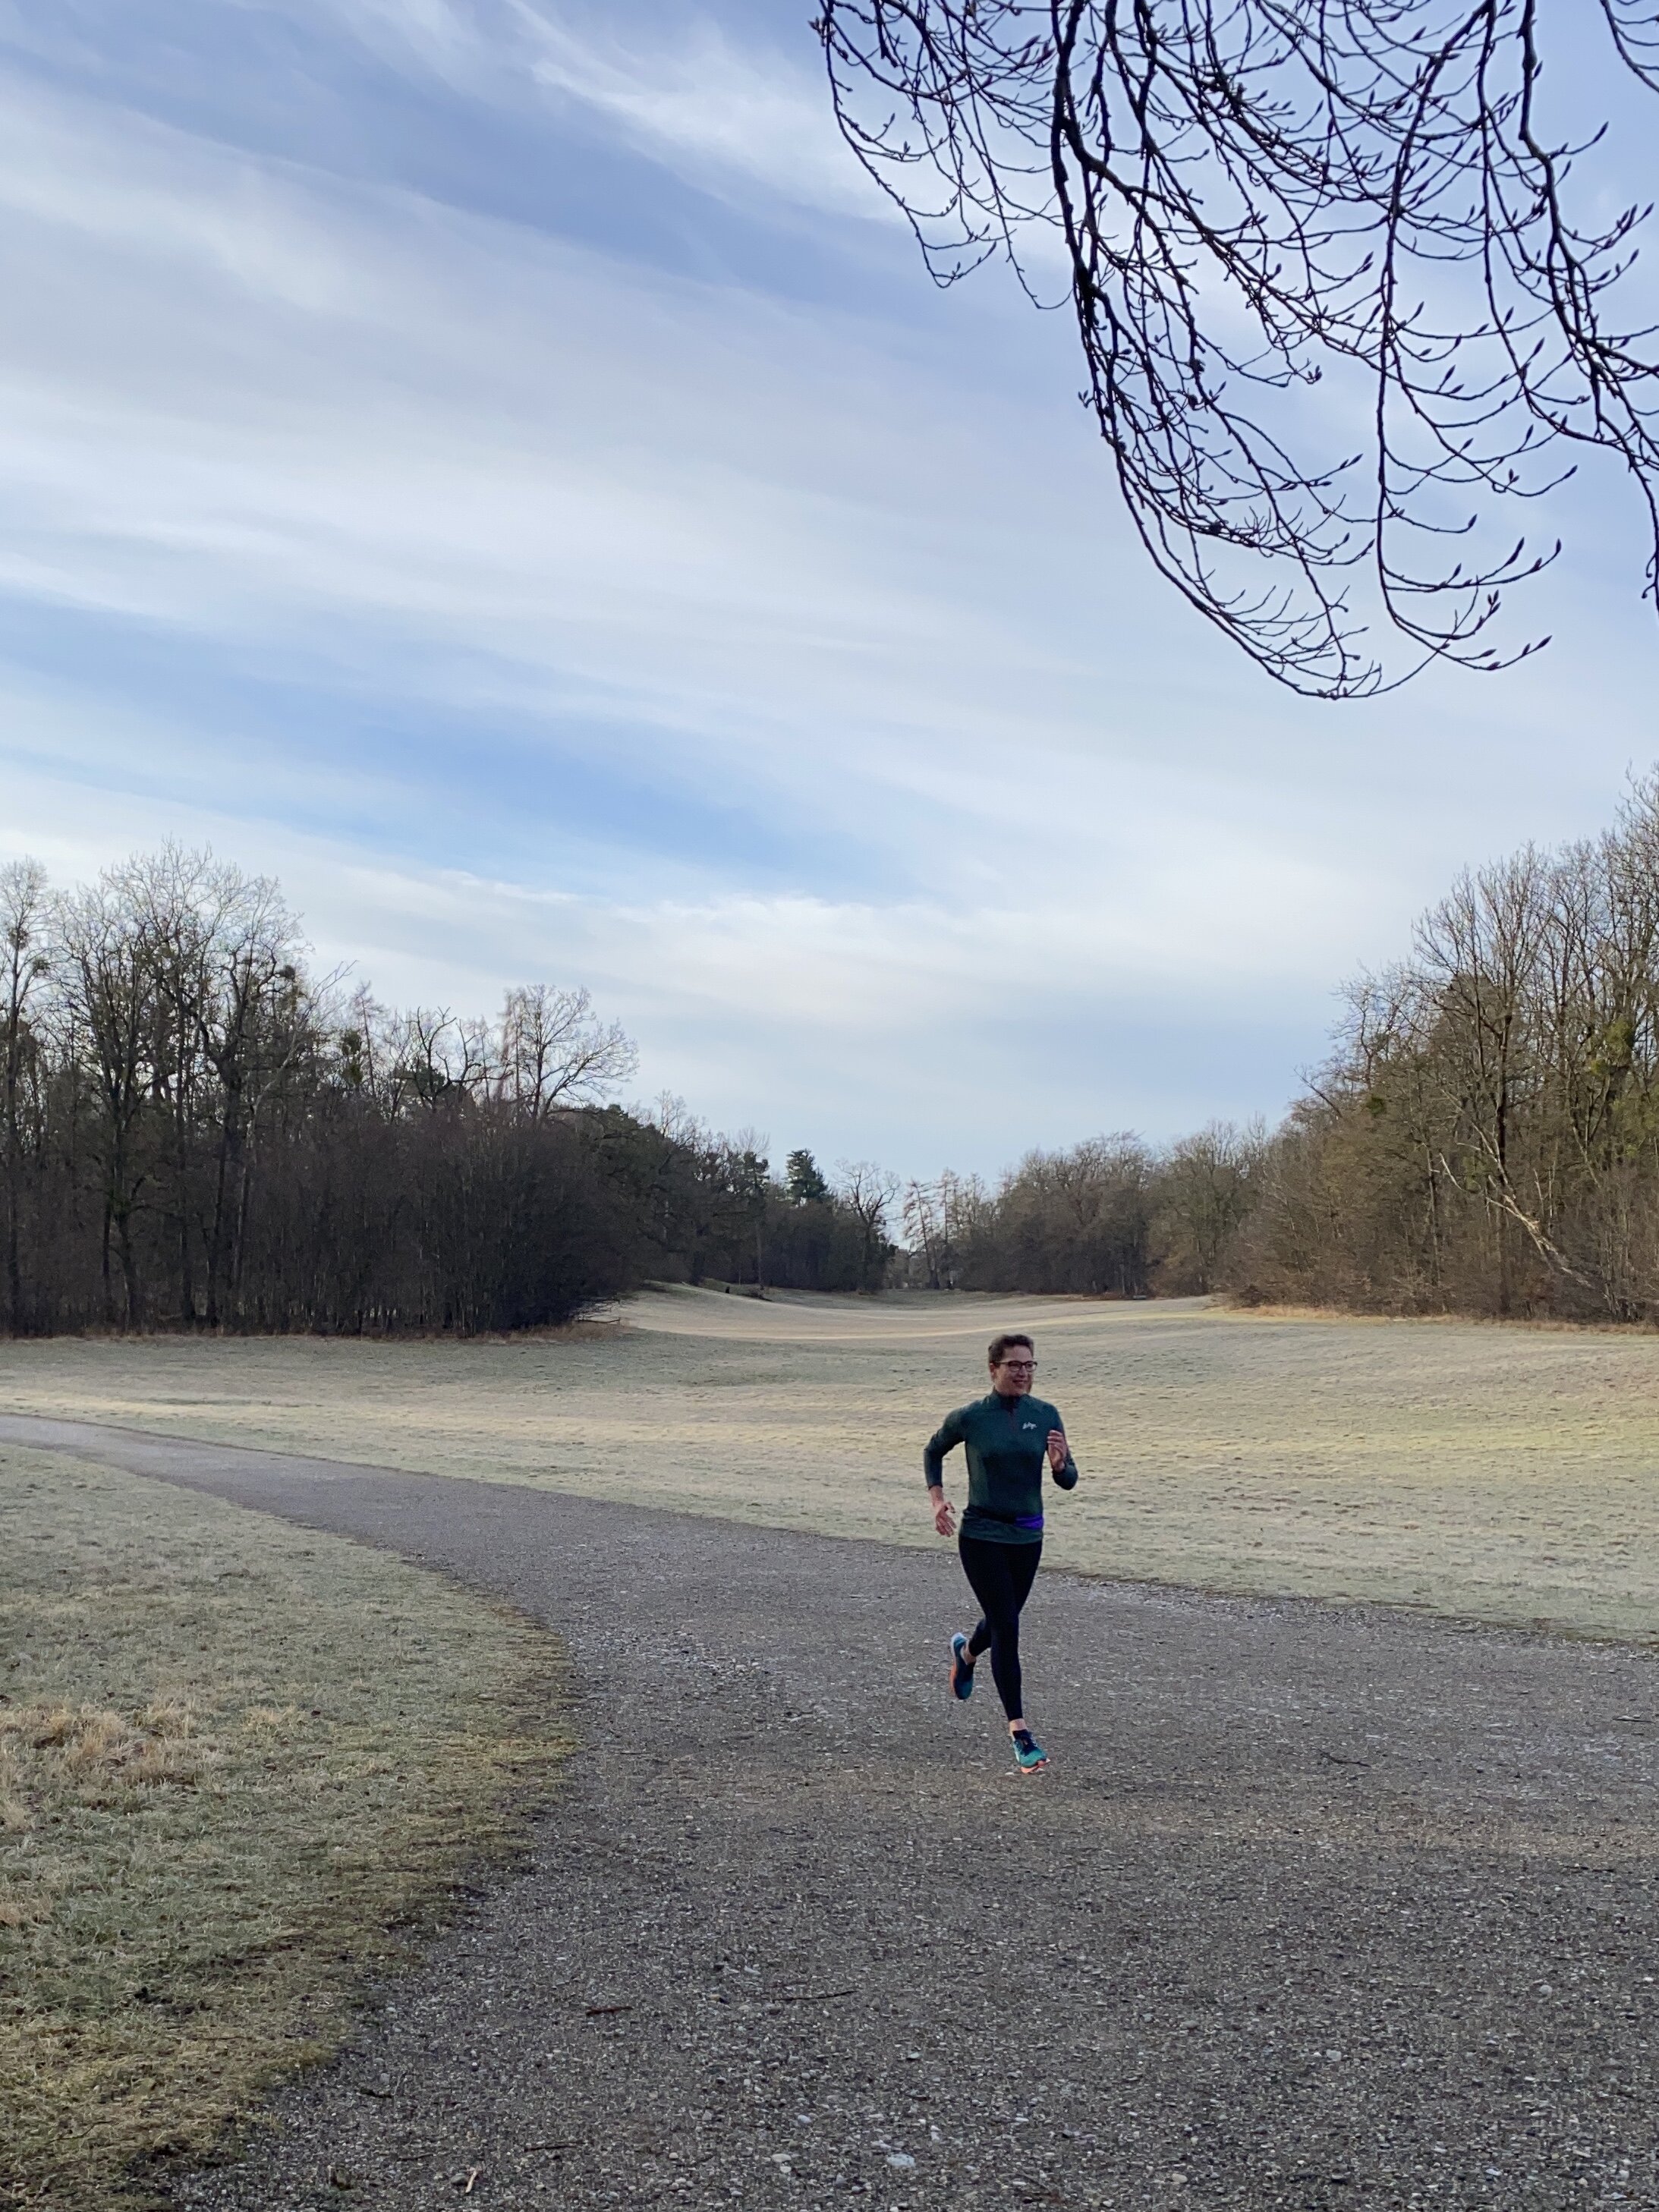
[[1028, 1425]]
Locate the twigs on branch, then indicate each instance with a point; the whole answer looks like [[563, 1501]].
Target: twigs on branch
[[1335, 305]]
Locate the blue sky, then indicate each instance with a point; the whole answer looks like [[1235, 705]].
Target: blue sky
[[497, 467]]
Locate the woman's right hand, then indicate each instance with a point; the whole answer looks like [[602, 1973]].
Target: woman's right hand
[[945, 1519]]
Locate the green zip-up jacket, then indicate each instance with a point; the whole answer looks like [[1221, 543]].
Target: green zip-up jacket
[[1006, 1440]]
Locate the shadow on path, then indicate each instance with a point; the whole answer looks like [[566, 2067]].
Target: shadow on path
[[1315, 1907]]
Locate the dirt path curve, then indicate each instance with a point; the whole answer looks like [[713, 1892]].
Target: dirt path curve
[[1314, 1908]]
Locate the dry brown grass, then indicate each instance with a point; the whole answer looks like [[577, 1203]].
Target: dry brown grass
[[239, 1766], [1504, 1474]]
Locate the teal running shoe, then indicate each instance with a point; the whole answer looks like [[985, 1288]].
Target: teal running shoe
[[961, 1669], [1029, 1753]]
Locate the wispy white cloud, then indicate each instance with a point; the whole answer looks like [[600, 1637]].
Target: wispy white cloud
[[698, 102], [265, 410], [672, 82]]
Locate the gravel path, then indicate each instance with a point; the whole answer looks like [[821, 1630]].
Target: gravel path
[[1315, 1906]]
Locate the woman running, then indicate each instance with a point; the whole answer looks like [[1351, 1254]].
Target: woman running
[[1008, 1436]]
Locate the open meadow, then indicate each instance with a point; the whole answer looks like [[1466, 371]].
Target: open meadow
[[1501, 1473]]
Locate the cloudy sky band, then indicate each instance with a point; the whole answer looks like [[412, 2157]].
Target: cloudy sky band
[[618, 565]]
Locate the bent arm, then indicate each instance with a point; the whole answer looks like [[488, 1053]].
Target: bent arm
[[944, 1438], [1065, 1475]]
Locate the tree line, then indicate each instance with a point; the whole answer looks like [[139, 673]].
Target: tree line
[[1111, 1216], [197, 1131], [1484, 1138], [200, 1131]]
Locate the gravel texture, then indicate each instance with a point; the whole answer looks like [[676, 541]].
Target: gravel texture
[[1315, 1906]]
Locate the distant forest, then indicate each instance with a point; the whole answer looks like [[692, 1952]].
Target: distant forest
[[199, 1133], [1483, 1138]]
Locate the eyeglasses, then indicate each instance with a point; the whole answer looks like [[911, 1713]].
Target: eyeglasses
[[1020, 1367]]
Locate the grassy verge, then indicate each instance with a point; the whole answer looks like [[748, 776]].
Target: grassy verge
[[240, 1766]]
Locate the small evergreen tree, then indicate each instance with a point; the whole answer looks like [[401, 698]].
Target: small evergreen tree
[[805, 1185]]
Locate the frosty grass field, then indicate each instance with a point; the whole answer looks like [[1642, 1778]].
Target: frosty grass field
[[1498, 1474]]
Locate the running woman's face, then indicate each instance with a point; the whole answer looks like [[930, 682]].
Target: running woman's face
[[1012, 1378]]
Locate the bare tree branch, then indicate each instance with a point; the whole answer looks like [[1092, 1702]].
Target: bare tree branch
[[1339, 301]]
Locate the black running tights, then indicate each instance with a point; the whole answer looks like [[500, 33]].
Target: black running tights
[[1001, 1575]]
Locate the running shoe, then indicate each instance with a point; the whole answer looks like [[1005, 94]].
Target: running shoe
[[1029, 1753], [962, 1668]]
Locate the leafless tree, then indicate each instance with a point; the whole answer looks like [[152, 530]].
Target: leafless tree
[[1344, 294], [109, 985], [555, 1051], [868, 1192], [1478, 952], [170, 895], [24, 913], [926, 1217], [262, 1028], [1486, 1136], [1204, 1196]]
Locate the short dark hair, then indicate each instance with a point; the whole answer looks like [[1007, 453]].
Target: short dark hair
[[1002, 1346]]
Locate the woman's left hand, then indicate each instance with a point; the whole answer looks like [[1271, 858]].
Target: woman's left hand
[[1057, 1451]]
